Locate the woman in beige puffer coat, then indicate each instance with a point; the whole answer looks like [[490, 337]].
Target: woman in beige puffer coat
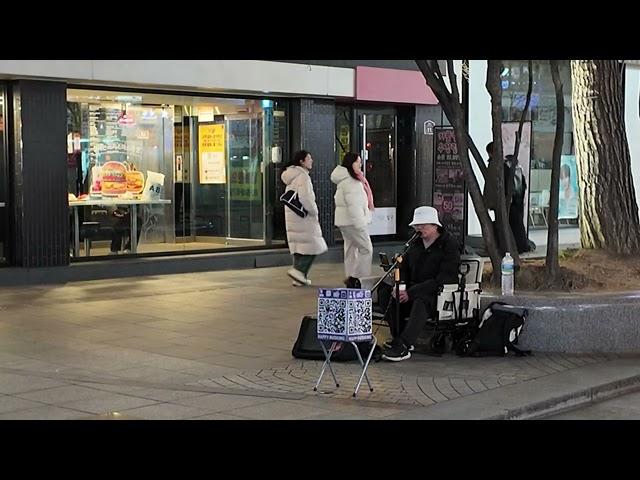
[[354, 207], [304, 235]]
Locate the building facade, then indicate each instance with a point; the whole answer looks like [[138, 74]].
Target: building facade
[[186, 155], [538, 137]]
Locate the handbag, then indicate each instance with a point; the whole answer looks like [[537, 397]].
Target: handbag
[[291, 200]]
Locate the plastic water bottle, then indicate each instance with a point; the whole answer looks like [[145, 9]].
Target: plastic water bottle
[[507, 274]]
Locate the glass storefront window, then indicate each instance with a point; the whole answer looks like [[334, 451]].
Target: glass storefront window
[[344, 122], [380, 164], [542, 114], [184, 173]]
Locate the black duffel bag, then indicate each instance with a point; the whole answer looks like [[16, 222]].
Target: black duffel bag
[[307, 345]]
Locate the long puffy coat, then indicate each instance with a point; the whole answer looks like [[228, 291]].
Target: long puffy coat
[[303, 234]]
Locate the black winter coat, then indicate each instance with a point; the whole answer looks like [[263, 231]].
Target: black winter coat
[[426, 270]]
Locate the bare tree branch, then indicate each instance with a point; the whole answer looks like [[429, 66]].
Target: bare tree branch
[[478, 157], [516, 148], [444, 98], [552, 263], [455, 113], [453, 80]]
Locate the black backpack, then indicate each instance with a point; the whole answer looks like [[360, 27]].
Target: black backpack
[[498, 331], [307, 345]]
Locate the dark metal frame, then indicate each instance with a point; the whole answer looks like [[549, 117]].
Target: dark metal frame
[[5, 197]]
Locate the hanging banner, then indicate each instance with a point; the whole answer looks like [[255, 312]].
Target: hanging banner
[[211, 154], [449, 189], [509, 132]]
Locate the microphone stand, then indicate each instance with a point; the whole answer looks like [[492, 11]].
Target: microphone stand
[[395, 268], [397, 261]]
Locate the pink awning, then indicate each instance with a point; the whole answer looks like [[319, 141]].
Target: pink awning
[[392, 86]]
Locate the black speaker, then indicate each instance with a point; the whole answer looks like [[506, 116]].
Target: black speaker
[[308, 347]]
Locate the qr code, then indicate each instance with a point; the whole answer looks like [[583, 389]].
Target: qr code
[[360, 322], [331, 315]]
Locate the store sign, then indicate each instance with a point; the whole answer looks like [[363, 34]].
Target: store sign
[[211, 154], [126, 120], [129, 98], [429, 125], [449, 189], [149, 115], [383, 221], [143, 134]]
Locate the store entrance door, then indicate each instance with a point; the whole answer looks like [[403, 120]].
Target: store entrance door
[[377, 132], [245, 181]]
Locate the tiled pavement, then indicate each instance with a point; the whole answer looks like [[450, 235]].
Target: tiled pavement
[[211, 345]]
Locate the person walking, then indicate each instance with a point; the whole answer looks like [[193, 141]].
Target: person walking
[[304, 234], [354, 208]]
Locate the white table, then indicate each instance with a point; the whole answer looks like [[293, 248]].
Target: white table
[[111, 202]]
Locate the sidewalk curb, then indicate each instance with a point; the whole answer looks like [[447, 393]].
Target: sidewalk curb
[[570, 401]]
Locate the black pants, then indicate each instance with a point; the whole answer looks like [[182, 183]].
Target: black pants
[[516, 222], [303, 262], [418, 311], [122, 229]]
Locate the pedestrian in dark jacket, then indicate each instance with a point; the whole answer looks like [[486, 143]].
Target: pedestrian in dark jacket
[[513, 174], [431, 262]]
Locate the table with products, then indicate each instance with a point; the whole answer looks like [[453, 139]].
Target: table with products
[[91, 202]]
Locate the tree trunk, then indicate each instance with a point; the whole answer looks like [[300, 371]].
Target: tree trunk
[[450, 103], [607, 206], [551, 262], [502, 214], [516, 148]]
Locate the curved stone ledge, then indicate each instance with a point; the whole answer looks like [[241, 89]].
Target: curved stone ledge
[[578, 322]]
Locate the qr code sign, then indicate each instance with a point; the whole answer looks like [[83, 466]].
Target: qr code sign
[[344, 315], [360, 321]]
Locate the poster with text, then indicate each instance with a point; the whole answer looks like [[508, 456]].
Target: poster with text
[[509, 132], [568, 205], [449, 189], [211, 153]]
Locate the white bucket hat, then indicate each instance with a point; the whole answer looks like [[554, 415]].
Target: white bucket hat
[[424, 215]]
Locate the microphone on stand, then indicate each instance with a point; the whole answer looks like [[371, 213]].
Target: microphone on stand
[[397, 259], [415, 236]]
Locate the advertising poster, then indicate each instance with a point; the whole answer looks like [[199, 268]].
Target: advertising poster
[[568, 206], [449, 189], [211, 154]]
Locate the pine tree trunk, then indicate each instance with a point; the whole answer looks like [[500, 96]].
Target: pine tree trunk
[[607, 206]]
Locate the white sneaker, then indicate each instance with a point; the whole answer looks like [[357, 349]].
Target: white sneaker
[[387, 344], [298, 276], [126, 250], [296, 283]]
